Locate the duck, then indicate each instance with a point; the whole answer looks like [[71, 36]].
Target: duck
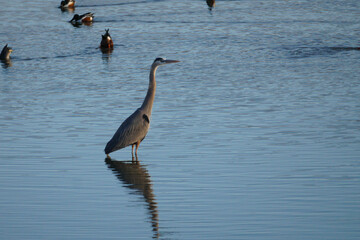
[[67, 4], [106, 41], [5, 53], [84, 18], [210, 3]]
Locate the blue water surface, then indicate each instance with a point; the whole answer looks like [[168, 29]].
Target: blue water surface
[[255, 134]]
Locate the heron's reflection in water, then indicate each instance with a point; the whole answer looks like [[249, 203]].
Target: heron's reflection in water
[[135, 176]]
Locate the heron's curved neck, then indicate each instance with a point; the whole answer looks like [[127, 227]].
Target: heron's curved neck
[[150, 96]]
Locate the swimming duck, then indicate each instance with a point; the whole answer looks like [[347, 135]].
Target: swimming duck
[[67, 4], [5, 53], [106, 41], [210, 3], [84, 18]]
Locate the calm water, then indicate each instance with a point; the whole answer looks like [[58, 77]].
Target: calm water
[[254, 135]]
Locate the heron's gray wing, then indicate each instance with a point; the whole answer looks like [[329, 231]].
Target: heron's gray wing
[[132, 130]]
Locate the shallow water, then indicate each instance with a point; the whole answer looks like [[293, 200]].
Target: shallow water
[[255, 134]]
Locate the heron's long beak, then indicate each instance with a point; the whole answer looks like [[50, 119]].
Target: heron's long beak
[[171, 61]]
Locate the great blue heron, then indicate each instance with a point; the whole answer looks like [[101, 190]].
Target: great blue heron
[[5, 53], [134, 129]]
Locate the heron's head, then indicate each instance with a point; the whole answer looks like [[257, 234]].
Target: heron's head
[[161, 61]]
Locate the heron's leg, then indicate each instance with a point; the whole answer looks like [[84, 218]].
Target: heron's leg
[[132, 149], [137, 146], [107, 155]]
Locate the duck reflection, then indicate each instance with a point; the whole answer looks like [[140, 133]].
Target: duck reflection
[[6, 63], [80, 24], [106, 57], [70, 10], [106, 51], [135, 176]]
